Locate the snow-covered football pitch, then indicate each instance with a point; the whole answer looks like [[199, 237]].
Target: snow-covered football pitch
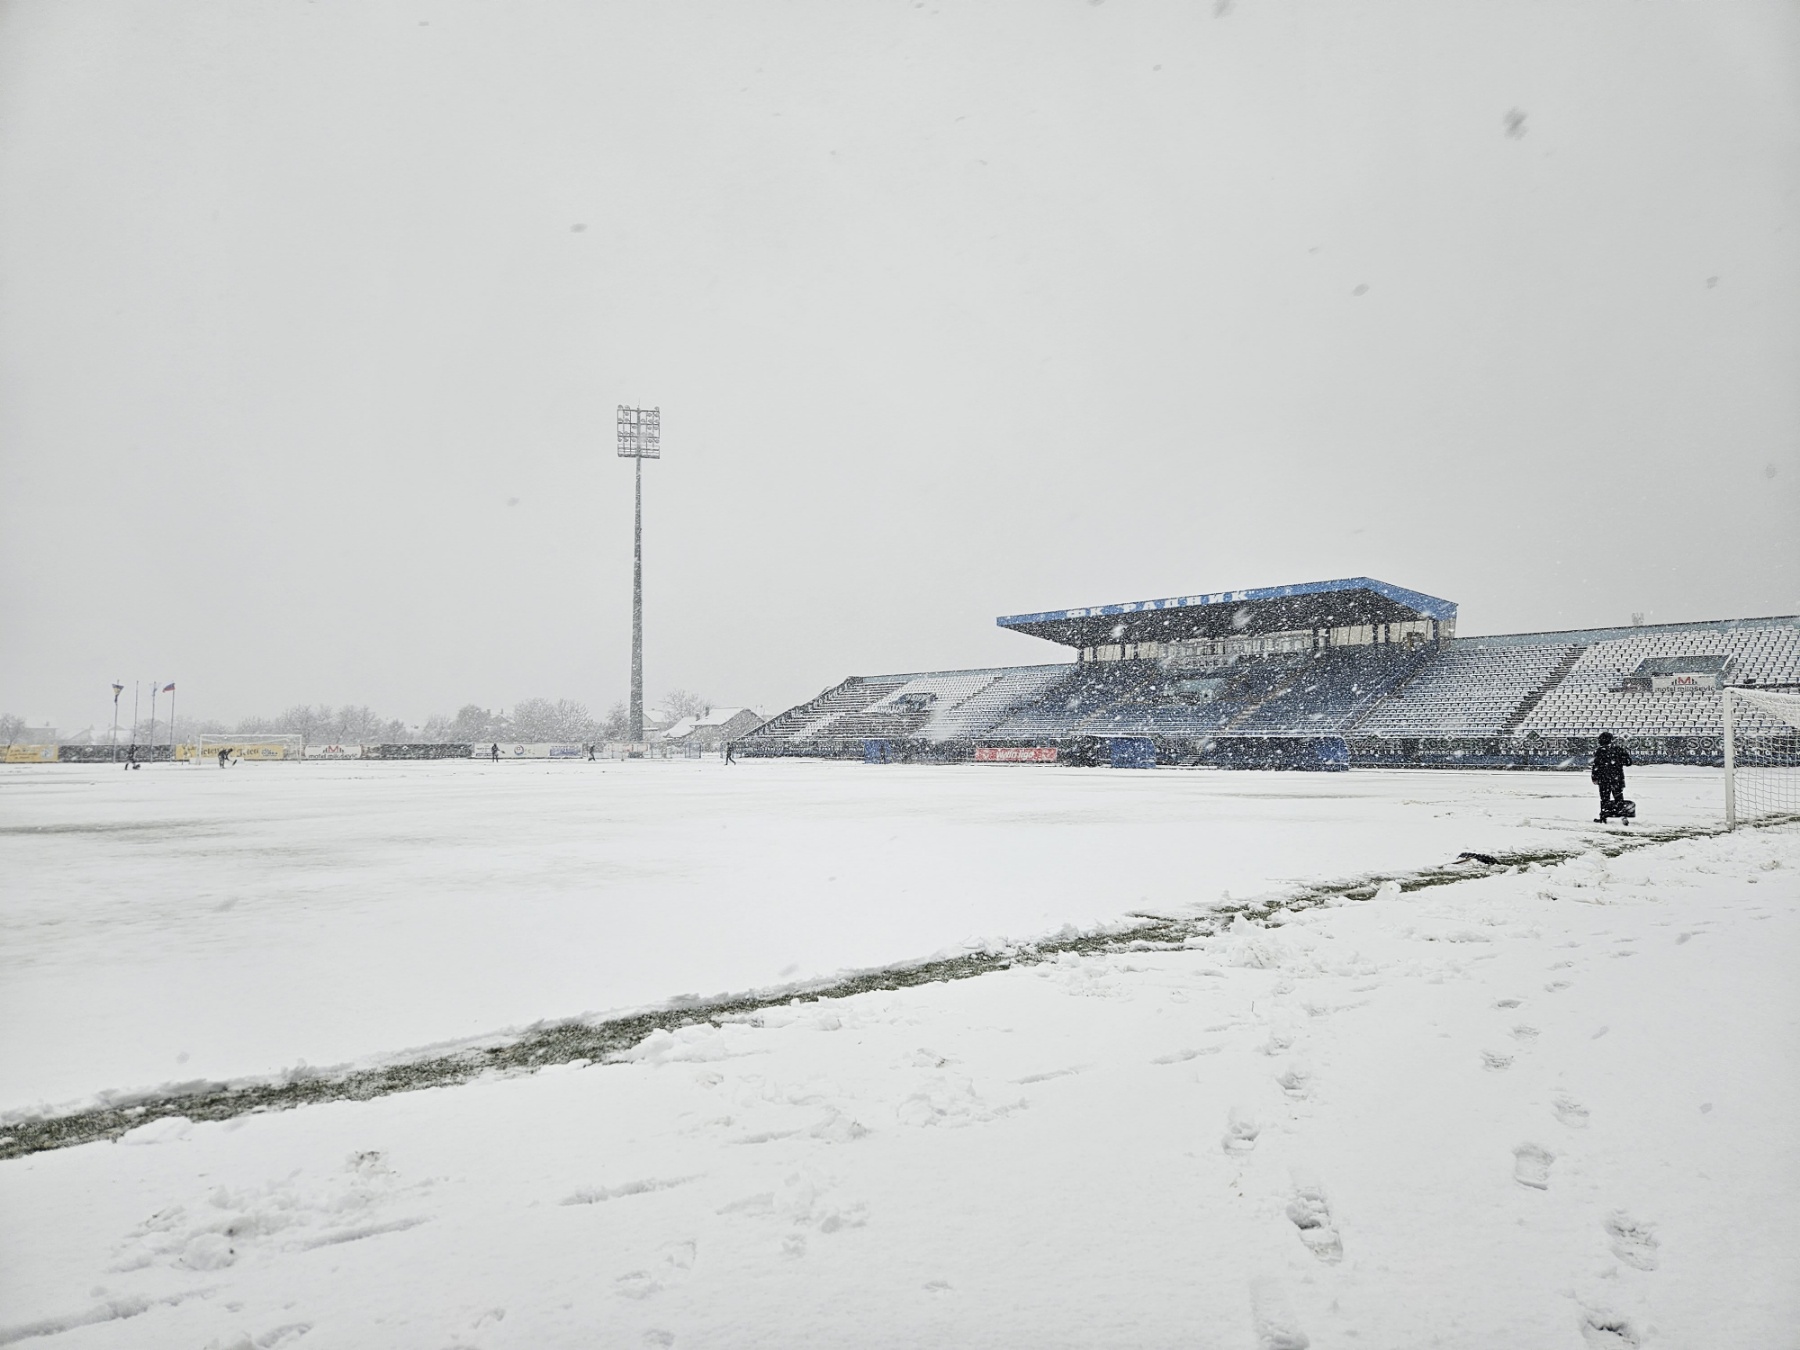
[[978, 1055]]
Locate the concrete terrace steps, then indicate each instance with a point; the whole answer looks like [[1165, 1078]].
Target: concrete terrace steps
[[1536, 696]]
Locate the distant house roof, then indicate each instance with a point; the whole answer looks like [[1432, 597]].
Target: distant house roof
[[712, 717], [718, 717]]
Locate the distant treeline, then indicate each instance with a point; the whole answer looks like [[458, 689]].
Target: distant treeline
[[532, 720]]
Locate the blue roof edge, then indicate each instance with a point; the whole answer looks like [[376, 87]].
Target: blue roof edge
[[1429, 605]]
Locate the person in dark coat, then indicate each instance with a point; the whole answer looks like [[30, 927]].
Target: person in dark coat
[[1610, 759]]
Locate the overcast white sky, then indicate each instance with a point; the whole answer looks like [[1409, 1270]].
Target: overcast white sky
[[313, 317]]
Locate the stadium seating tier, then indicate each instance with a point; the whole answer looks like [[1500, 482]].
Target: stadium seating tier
[[1526, 689]]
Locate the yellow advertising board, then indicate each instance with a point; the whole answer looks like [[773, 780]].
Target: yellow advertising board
[[30, 754], [247, 749]]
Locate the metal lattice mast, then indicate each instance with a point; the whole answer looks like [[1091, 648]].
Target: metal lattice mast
[[640, 438]]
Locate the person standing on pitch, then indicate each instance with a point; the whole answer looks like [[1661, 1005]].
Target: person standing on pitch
[[1610, 759], [494, 752]]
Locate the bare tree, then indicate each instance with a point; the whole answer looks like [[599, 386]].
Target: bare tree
[[474, 724], [681, 703], [11, 725], [617, 723], [538, 719]]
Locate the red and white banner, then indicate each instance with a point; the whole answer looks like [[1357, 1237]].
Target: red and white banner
[[1015, 754]]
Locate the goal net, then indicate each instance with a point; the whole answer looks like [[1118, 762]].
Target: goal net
[[242, 745], [1762, 755]]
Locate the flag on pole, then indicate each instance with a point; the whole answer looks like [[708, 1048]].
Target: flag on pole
[[168, 688]]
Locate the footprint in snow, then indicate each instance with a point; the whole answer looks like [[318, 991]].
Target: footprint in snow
[[1241, 1129], [1295, 1080], [1570, 1112], [1524, 1033], [1048, 1075], [1633, 1241], [290, 1332], [1311, 1214], [1506, 1003], [1276, 1328], [1183, 1056], [636, 1284], [1531, 1166], [1496, 1059], [1605, 1331], [1280, 1039]]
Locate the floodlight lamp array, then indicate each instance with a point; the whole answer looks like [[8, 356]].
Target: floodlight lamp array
[[640, 433]]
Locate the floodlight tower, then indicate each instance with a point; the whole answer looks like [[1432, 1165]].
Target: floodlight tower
[[640, 438]]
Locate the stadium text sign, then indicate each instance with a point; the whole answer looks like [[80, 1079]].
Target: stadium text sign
[[1015, 754], [1685, 680]]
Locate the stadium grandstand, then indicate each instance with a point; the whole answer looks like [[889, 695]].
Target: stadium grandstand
[[1321, 675]]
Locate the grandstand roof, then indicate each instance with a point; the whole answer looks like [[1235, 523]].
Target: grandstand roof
[[1269, 609]]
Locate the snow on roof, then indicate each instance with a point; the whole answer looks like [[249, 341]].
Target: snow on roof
[[1350, 600], [718, 717], [712, 717]]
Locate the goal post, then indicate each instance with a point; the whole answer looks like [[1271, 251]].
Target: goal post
[[1762, 754], [243, 745]]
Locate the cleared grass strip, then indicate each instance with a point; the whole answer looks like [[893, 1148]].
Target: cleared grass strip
[[566, 1042]]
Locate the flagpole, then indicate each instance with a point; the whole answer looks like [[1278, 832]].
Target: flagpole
[[171, 722], [154, 686], [137, 694], [117, 690]]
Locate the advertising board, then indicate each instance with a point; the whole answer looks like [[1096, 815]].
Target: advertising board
[[1015, 754], [534, 750], [1686, 680]]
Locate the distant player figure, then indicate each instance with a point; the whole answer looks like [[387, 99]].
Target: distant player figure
[[590, 754], [494, 752], [1610, 759], [130, 757], [730, 752], [224, 755]]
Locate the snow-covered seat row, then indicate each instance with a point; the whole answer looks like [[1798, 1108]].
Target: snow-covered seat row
[[806, 720], [1090, 688], [904, 711], [1332, 688], [979, 713], [1467, 689], [1590, 697]]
